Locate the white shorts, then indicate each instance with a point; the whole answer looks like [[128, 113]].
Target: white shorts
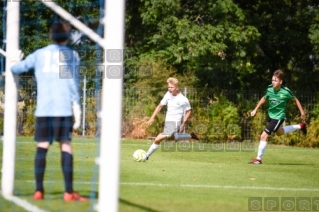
[[171, 127]]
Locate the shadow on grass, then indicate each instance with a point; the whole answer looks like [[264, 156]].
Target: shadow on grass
[[294, 164], [49, 196], [57, 195], [141, 207]]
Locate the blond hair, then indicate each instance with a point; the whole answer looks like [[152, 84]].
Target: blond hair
[[173, 81]]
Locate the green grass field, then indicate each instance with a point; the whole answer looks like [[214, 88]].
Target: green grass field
[[172, 181]]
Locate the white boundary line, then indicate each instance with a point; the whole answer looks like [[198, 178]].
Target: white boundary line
[[251, 187], [220, 186], [22, 203], [198, 186], [138, 144]]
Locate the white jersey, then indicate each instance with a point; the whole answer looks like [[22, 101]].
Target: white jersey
[[176, 105]]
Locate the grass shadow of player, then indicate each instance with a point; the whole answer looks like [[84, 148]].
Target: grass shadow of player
[[293, 164], [141, 207], [296, 164]]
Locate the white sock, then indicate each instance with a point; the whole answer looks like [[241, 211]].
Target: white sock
[[261, 149], [152, 149], [291, 128]]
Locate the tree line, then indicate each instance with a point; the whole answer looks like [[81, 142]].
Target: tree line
[[225, 44]]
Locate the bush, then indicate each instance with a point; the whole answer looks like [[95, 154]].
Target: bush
[[28, 118]]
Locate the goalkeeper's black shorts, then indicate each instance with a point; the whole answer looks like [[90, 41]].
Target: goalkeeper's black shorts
[[53, 128]]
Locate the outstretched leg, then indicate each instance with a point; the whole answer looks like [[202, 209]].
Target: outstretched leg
[[155, 145], [287, 129], [261, 149]]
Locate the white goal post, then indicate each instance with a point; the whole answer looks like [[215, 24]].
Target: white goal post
[[10, 101], [112, 92]]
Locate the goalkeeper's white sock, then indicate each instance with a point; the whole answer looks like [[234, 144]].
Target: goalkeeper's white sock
[[152, 149], [291, 128], [261, 149]]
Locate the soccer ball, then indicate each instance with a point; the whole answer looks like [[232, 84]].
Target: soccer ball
[[138, 155]]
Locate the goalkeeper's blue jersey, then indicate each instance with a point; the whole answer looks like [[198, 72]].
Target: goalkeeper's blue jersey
[[57, 82]]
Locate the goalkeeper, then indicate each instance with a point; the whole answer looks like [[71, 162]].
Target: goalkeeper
[[57, 100]]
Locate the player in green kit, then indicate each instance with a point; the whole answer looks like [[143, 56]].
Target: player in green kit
[[277, 96]]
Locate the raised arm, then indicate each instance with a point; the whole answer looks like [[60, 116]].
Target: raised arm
[[156, 111], [261, 101], [302, 112]]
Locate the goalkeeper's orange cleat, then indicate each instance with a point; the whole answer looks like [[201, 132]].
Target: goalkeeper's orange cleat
[[38, 195], [74, 196]]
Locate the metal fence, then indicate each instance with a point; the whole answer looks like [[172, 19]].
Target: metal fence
[[90, 92]]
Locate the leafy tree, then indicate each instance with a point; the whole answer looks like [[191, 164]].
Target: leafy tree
[[284, 42], [232, 43], [35, 21], [211, 38], [225, 43]]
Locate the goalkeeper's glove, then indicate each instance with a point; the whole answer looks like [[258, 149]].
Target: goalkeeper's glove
[[77, 115], [17, 57]]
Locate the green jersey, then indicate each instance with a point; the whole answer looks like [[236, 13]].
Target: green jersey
[[277, 101]]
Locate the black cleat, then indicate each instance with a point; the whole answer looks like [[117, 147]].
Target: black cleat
[[303, 127], [255, 161], [194, 136]]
